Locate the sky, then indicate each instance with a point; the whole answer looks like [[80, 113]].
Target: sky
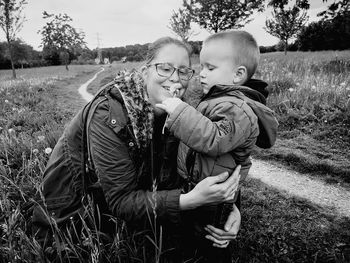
[[115, 23]]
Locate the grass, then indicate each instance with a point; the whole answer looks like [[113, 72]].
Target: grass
[[280, 228], [310, 93]]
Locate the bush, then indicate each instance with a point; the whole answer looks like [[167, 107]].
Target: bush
[[83, 62]]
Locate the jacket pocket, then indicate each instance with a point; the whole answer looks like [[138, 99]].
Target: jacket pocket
[[116, 116]]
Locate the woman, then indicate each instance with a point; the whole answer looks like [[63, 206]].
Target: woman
[[116, 151]]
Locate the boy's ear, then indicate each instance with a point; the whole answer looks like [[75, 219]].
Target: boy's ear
[[240, 75]]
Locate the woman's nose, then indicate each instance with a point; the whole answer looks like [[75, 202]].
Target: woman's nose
[[175, 76]]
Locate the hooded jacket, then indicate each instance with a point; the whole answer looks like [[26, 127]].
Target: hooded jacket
[[223, 130], [217, 136]]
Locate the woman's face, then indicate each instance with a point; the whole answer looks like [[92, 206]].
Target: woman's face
[[158, 86]]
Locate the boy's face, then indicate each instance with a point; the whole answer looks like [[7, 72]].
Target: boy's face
[[217, 64]]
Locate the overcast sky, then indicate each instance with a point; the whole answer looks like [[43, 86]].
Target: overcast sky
[[124, 22]]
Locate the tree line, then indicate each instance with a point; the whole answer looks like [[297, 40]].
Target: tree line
[[63, 44], [25, 56]]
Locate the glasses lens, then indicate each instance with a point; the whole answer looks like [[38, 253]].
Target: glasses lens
[[185, 73], [164, 69]]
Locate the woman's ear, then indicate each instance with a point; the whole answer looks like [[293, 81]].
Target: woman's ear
[[240, 75], [144, 72]]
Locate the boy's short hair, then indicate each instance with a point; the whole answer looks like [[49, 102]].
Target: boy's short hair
[[245, 49]]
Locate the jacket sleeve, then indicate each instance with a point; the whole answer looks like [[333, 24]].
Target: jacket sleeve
[[227, 127], [118, 178]]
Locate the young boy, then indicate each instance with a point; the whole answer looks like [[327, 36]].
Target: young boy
[[221, 132]]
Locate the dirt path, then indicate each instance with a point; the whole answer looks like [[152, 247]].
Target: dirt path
[[293, 183], [336, 198], [83, 88]]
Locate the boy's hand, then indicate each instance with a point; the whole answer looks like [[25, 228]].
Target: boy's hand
[[169, 104]]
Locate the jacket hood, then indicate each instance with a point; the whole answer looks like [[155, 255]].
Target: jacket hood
[[267, 121], [258, 86]]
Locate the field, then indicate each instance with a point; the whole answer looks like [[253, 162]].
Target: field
[[310, 93]]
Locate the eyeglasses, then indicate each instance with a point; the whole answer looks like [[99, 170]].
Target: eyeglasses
[[167, 70]]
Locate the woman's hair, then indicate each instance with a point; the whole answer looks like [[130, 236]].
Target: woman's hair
[[156, 46]]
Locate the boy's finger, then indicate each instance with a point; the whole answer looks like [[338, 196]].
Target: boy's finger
[[161, 106]]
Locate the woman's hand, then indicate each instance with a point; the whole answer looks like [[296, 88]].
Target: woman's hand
[[211, 190], [221, 238]]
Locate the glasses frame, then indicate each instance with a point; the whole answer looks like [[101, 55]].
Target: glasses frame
[[174, 69]]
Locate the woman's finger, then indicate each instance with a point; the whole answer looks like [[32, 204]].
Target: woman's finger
[[218, 178], [232, 191], [233, 222], [218, 243], [221, 245], [219, 234], [234, 177]]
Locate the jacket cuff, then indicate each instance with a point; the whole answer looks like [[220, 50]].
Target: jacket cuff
[[172, 204], [175, 114]]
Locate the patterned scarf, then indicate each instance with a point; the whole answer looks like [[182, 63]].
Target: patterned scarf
[[140, 111]]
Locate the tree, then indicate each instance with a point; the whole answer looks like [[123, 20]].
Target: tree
[[219, 15], [23, 55], [326, 34], [21, 52], [180, 24], [11, 22], [286, 23], [303, 4], [59, 35], [340, 8]]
